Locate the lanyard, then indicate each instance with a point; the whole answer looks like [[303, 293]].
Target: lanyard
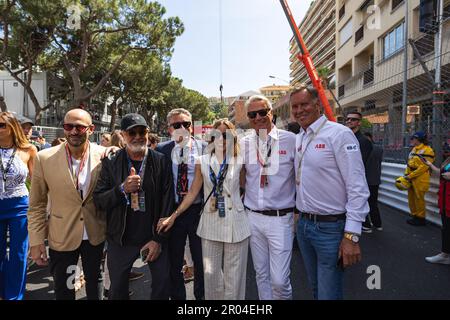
[[75, 176], [220, 178], [8, 165], [263, 161], [141, 169], [303, 151]]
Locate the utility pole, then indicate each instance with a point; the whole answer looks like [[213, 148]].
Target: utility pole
[[438, 94], [405, 81]]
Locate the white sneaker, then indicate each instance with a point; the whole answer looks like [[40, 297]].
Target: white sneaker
[[441, 258], [380, 228], [366, 230]]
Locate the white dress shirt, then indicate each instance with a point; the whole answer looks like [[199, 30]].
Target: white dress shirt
[[234, 226], [194, 151], [84, 180], [332, 176], [280, 191]]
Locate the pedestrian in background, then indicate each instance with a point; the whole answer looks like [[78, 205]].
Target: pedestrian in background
[[153, 140], [418, 173], [444, 206], [105, 140], [16, 165], [117, 139], [373, 175]]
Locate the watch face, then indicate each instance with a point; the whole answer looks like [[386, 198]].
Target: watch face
[[355, 238]]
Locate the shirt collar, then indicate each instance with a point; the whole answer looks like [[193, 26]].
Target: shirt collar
[[315, 125], [273, 134]]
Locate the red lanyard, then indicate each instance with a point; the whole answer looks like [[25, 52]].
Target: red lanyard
[[76, 176]]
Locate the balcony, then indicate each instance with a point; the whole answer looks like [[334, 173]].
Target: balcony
[[342, 12], [368, 76]]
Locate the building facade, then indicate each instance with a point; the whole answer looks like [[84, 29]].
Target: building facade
[[370, 66]]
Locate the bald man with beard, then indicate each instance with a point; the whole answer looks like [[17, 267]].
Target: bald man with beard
[[67, 174]]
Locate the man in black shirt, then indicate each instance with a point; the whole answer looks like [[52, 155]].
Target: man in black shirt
[[353, 121], [135, 189]]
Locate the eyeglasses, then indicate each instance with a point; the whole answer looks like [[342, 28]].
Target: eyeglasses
[[80, 128], [352, 119], [135, 132], [3, 125], [224, 137], [262, 113], [185, 124]]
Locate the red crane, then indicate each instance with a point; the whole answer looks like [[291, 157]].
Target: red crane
[[305, 57]]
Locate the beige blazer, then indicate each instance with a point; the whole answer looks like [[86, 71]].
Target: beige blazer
[[234, 227], [68, 213]]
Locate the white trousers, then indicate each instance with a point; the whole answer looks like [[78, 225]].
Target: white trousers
[[271, 246], [225, 269]]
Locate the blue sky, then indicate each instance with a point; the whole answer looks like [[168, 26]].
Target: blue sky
[[255, 43]]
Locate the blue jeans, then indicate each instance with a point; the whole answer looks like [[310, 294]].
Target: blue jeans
[[319, 245]]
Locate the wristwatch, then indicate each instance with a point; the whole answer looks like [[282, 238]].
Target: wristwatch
[[352, 237]]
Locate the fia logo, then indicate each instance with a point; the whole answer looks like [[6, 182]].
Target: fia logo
[[351, 147]]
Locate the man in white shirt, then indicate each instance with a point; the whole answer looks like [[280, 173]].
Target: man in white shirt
[[332, 195], [268, 155]]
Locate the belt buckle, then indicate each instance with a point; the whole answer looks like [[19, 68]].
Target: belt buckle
[[278, 213]]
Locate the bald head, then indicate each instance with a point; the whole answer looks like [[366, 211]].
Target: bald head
[[78, 115]]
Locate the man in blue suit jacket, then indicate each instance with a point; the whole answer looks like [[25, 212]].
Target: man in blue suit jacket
[[181, 152]]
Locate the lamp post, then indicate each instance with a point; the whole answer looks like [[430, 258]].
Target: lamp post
[[273, 77]]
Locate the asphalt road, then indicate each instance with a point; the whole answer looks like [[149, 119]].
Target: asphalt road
[[399, 251]]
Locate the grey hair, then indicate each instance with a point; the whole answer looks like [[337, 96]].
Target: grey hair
[[178, 111], [256, 98], [310, 89]]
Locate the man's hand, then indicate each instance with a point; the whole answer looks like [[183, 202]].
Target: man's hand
[[164, 224], [154, 249], [132, 182], [39, 255], [108, 151], [350, 252], [446, 175]]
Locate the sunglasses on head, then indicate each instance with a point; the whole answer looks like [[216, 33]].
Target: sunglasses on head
[[352, 119], [80, 128], [262, 113], [177, 125], [2, 125], [135, 132]]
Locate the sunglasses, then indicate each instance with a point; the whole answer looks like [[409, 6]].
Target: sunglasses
[[224, 137], [2, 125], [352, 119], [80, 128], [185, 124], [262, 113], [135, 132]]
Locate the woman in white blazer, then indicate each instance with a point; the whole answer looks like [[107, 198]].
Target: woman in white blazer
[[223, 227]]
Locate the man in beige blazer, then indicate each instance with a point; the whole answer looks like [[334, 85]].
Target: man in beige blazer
[[67, 175]]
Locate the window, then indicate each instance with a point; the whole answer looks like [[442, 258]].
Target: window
[[346, 32], [393, 41], [396, 3], [342, 11]]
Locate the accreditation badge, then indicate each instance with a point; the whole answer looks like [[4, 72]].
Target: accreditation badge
[[142, 201], [221, 206], [135, 201]]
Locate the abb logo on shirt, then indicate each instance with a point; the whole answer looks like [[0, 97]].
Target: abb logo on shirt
[[283, 152], [320, 146]]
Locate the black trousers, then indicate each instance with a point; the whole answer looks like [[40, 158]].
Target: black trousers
[[120, 262], [374, 214], [445, 233], [186, 226], [63, 265]]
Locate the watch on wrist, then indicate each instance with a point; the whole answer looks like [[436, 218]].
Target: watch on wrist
[[352, 237]]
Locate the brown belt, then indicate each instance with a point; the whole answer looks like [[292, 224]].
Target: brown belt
[[323, 218]]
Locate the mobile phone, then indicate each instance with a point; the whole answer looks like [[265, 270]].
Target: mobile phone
[[144, 254]]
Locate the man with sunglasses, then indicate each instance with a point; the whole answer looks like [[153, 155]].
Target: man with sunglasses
[[268, 155], [181, 151], [135, 190], [331, 196], [67, 175]]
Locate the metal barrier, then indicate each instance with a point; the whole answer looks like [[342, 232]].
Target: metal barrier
[[390, 195]]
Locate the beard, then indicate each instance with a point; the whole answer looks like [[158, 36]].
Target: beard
[[137, 147], [76, 141]]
